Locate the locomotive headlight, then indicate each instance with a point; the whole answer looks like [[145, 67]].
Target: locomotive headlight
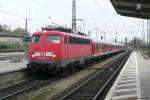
[[53, 55], [33, 54]]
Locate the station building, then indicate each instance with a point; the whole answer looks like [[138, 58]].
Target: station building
[[14, 41]]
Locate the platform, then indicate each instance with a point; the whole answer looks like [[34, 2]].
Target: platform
[[133, 82], [6, 55], [8, 64]]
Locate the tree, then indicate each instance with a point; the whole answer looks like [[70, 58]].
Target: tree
[[1, 28], [5, 29], [18, 31]]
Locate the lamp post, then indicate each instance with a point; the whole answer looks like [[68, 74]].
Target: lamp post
[[96, 29], [25, 35]]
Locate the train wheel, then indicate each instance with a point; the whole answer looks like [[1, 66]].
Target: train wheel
[[60, 71], [72, 67]]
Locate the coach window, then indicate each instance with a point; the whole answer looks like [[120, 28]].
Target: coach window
[[36, 39], [53, 39], [71, 40]]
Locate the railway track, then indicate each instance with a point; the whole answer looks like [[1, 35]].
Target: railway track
[[96, 87], [13, 91]]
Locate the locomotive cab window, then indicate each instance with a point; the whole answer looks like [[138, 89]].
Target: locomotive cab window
[[36, 39], [53, 39]]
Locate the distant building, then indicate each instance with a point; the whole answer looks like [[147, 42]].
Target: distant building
[[10, 39], [7, 37]]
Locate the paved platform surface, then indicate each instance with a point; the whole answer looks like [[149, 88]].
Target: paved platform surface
[[7, 55], [10, 53], [133, 83], [12, 61], [7, 66]]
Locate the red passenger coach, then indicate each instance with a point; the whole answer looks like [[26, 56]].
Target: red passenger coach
[[102, 47]]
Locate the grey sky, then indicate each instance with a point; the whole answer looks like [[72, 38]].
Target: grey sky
[[96, 13]]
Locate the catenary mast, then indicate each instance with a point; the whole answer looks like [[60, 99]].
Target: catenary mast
[[74, 15]]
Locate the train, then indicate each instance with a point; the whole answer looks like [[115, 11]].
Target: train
[[55, 51]]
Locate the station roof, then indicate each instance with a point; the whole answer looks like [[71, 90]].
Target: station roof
[[132, 8]]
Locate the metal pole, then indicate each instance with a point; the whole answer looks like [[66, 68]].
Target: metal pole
[[143, 32], [74, 15], [96, 31], [126, 41], [81, 20], [26, 31], [148, 34], [116, 37], [104, 36]]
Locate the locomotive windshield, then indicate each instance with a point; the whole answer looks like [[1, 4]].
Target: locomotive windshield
[[36, 39], [53, 39]]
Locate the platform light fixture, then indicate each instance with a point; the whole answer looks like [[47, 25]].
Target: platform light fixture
[[138, 6]]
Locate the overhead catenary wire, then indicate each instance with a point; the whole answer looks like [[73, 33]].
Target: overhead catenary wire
[[20, 16], [107, 16], [38, 2], [24, 17], [103, 12], [47, 6], [12, 14]]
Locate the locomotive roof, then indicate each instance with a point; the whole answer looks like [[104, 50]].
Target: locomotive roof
[[54, 32]]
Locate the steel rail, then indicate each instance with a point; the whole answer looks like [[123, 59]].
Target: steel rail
[[110, 80], [13, 91], [82, 92]]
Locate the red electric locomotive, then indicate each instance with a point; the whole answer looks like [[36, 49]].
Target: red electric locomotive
[[54, 50]]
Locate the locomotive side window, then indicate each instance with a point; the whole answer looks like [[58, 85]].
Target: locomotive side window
[[74, 40], [36, 39], [53, 39]]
